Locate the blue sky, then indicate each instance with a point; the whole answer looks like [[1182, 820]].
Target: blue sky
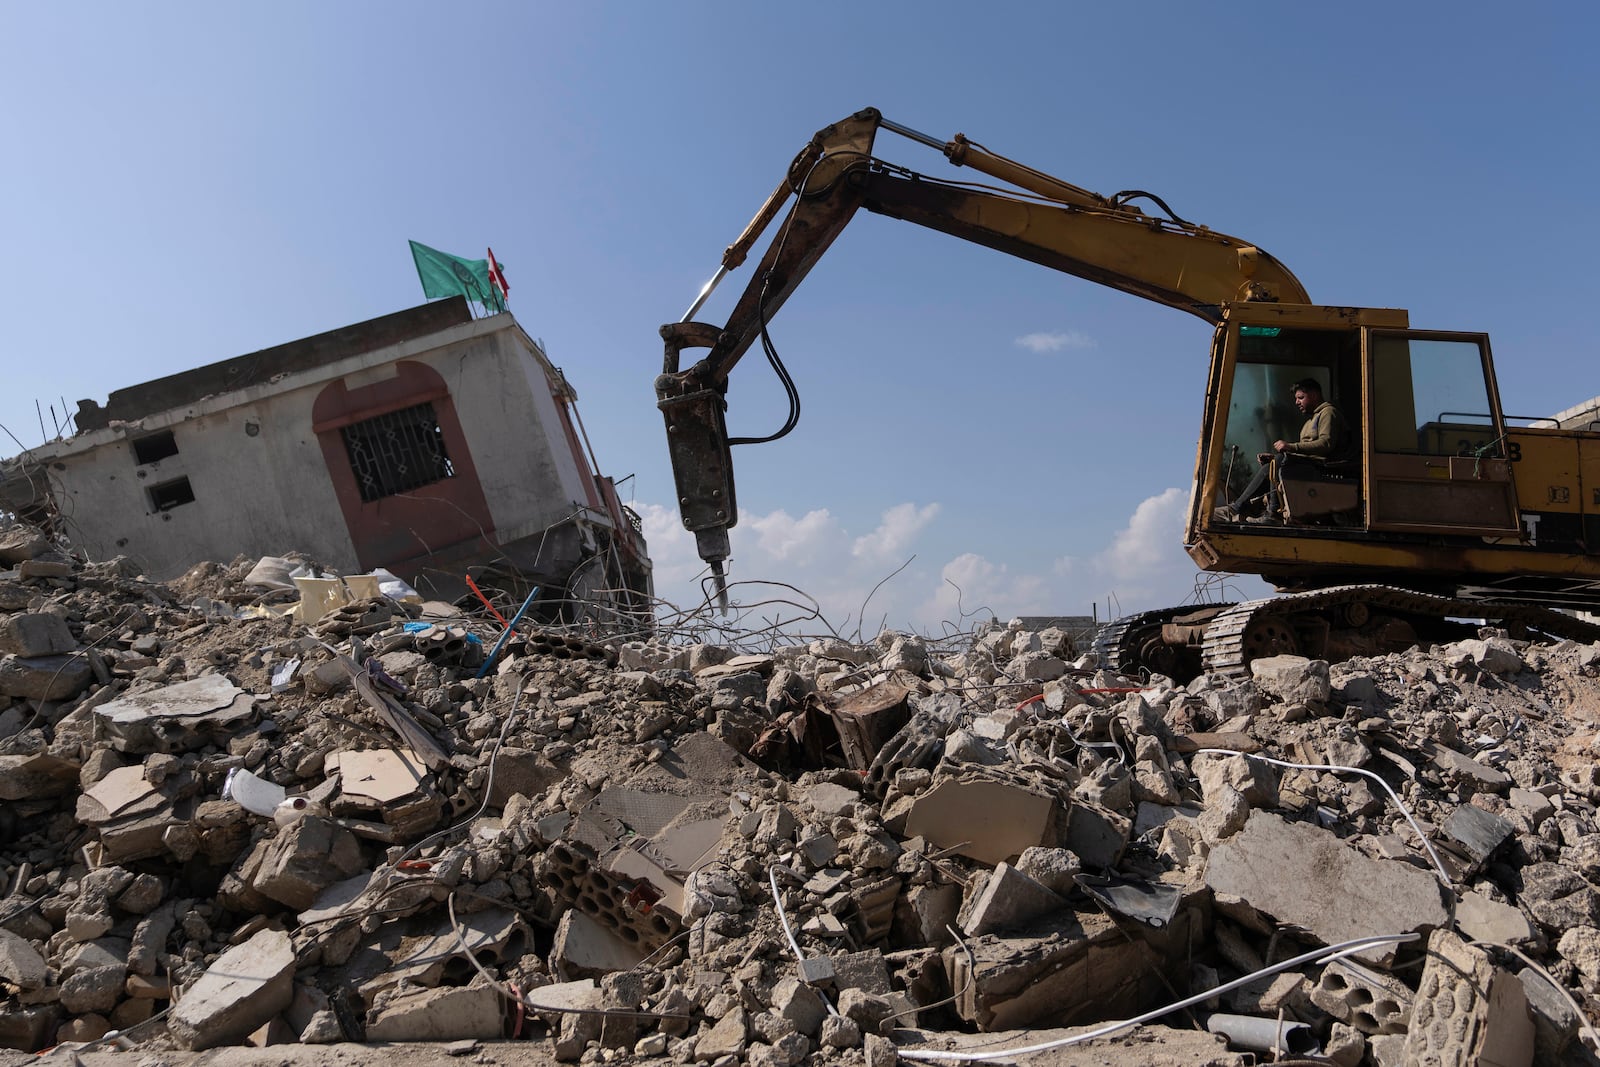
[[189, 182]]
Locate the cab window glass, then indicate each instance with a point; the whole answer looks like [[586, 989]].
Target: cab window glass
[[1430, 398]]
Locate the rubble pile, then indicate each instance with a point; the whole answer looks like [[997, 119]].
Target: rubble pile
[[221, 826]]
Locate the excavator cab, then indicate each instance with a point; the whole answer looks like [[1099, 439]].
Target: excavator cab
[[1428, 443]]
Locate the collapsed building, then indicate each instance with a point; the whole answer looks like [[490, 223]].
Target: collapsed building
[[222, 826], [426, 443]]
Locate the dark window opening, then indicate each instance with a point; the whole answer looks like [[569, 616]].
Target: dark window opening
[[168, 495], [396, 452], [153, 447]]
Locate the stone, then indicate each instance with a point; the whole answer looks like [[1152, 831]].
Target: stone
[[1097, 835], [840, 1033], [1252, 778], [1495, 655], [1558, 897], [92, 989], [36, 777], [243, 989], [1225, 814], [1008, 900], [1580, 946], [1304, 875], [35, 634]]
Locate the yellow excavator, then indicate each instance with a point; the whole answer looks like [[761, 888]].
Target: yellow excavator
[[1441, 511]]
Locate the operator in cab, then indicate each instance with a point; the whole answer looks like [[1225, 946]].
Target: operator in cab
[[1324, 437]]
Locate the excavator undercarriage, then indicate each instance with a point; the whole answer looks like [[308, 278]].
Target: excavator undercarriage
[[1333, 624]]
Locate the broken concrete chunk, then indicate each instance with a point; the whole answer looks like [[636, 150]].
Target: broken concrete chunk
[[35, 634], [179, 717], [244, 988], [1292, 679], [44, 677], [305, 858], [444, 1014], [1300, 874], [1467, 1010], [20, 962], [36, 777], [1008, 900]]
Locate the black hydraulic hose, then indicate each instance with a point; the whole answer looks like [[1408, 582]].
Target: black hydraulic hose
[[783, 376]]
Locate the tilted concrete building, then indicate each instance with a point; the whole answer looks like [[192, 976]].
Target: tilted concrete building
[[426, 442]]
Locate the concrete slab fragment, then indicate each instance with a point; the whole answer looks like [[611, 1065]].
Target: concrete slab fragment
[[980, 818], [244, 988], [1304, 875]]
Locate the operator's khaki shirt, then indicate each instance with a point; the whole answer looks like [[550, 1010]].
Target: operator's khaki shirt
[[1324, 435]]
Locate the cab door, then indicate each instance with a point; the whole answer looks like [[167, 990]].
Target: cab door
[[1435, 436]]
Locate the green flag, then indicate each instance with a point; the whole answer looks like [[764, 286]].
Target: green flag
[[445, 275]]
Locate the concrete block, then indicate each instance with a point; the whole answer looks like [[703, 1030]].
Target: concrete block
[[1304, 875], [1468, 1011], [518, 770], [449, 1013], [981, 818], [244, 988], [1367, 1000], [35, 634], [1008, 900]]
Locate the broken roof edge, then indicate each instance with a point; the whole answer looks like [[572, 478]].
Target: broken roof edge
[[213, 403], [135, 402]]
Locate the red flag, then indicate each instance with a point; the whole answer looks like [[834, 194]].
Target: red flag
[[498, 277]]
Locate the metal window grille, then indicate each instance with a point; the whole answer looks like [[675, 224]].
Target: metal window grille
[[397, 451]]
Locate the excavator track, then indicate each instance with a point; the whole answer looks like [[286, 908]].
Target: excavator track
[[1344, 621], [1121, 645]]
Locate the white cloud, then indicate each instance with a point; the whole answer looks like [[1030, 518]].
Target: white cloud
[[899, 527], [1058, 341], [1141, 565], [782, 537]]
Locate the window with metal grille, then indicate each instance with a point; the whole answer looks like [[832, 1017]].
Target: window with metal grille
[[397, 451]]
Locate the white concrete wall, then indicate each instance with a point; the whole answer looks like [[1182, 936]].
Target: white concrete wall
[[513, 429], [268, 493], [255, 495]]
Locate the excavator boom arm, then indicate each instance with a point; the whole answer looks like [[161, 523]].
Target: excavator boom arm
[[1042, 219]]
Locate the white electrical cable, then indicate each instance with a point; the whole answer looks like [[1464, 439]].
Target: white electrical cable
[[1444, 875], [1320, 955], [1583, 1019], [777, 900]]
